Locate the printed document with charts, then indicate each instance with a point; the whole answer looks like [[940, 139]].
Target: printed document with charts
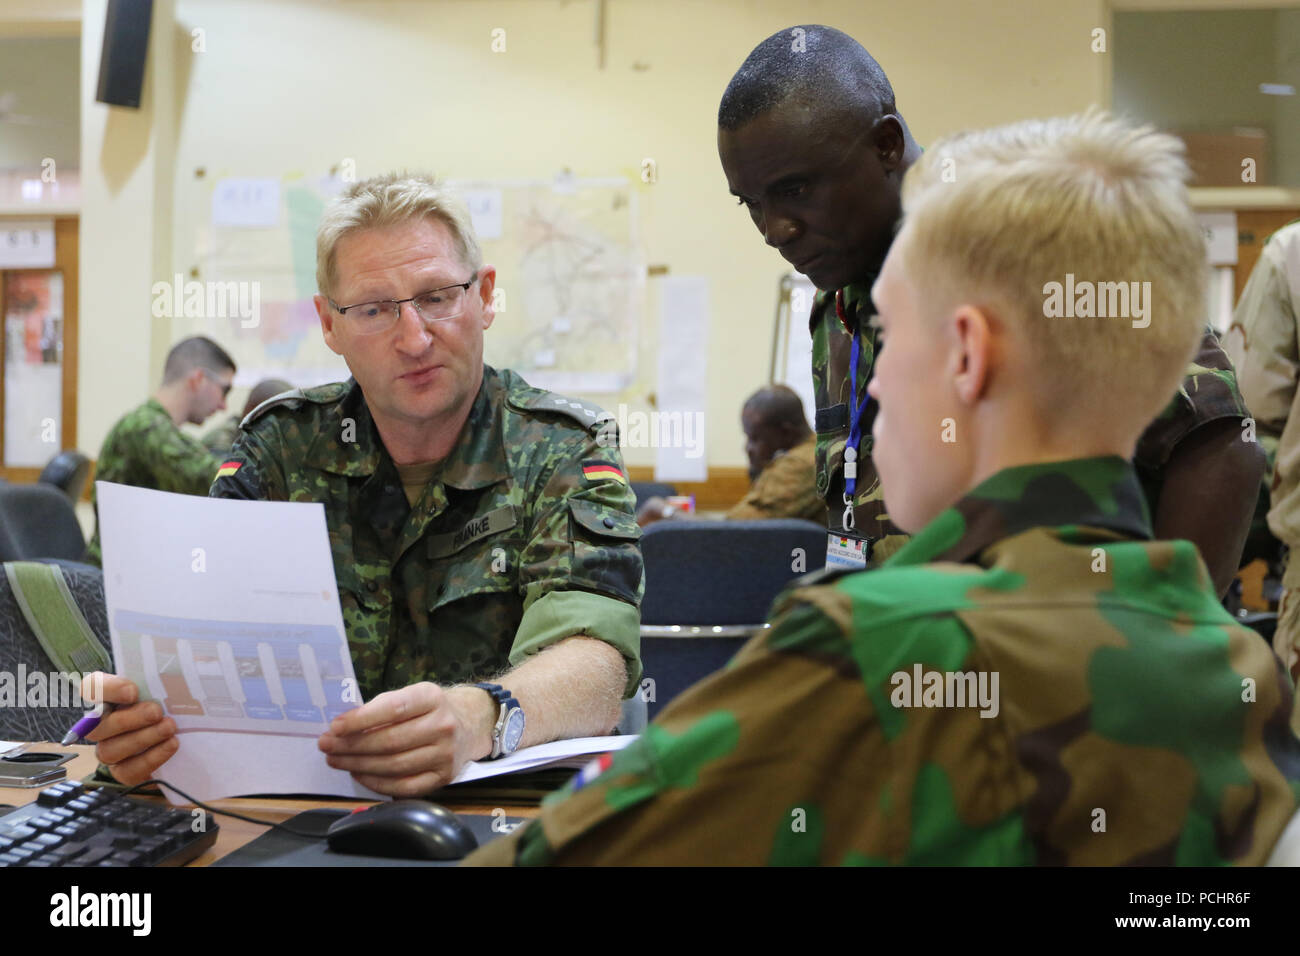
[[227, 613]]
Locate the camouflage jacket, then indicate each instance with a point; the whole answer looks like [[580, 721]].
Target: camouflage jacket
[[1110, 712], [1208, 392], [519, 540], [831, 346], [785, 488], [1262, 340], [221, 438], [147, 450]]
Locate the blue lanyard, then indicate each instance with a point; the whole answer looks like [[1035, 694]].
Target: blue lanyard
[[856, 411]]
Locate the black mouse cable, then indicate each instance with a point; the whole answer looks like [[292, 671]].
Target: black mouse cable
[[213, 810]]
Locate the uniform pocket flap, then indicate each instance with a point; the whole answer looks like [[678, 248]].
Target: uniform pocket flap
[[604, 522]]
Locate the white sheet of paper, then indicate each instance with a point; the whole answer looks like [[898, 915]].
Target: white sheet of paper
[[246, 203], [228, 613], [485, 212], [27, 244], [680, 453], [557, 753]]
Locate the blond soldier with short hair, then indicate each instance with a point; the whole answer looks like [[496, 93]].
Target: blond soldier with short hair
[[1030, 664]]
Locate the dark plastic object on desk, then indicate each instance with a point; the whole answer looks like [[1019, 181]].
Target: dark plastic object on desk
[[413, 829]]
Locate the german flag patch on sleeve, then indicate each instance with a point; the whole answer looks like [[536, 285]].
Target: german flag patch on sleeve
[[596, 470], [229, 468]]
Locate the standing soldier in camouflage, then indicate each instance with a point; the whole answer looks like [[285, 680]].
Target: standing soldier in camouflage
[[147, 448], [813, 147], [1031, 679], [482, 530], [1263, 344], [221, 438]]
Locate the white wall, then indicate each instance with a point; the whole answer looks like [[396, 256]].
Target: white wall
[[286, 86]]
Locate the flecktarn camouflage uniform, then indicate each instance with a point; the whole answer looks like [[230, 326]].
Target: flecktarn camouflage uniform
[[145, 449], [524, 536], [1131, 720]]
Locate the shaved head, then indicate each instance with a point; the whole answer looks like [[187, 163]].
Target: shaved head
[[817, 64], [813, 147]]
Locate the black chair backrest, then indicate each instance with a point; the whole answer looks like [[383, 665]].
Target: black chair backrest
[[67, 471], [644, 490], [21, 653], [669, 665], [724, 572], [38, 521]]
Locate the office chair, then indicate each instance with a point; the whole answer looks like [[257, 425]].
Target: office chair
[[38, 521], [645, 490], [67, 471], [709, 586], [23, 654]]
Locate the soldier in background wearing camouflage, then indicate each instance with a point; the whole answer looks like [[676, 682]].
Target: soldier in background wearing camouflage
[[1030, 679], [779, 445], [812, 145], [221, 438], [481, 529], [1263, 343], [780, 448], [147, 449]]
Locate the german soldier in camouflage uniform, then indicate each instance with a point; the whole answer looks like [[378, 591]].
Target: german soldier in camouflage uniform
[[481, 529], [147, 449], [812, 145], [1031, 678]]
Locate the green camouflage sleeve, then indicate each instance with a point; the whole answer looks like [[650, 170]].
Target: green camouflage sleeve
[[253, 470], [179, 463], [581, 571], [768, 762]]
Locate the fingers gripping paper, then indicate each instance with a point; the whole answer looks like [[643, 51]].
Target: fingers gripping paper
[[227, 613]]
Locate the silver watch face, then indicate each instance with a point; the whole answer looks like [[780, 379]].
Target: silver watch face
[[514, 731]]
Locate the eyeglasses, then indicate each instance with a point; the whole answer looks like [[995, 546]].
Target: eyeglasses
[[224, 386], [435, 306]]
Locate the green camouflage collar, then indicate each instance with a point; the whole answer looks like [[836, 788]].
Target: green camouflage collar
[[1101, 493], [857, 298], [156, 406], [478, 459]]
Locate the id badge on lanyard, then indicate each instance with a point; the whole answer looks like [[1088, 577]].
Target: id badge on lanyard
[[848, 549]]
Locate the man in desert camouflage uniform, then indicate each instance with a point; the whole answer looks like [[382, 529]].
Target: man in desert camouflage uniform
[[780, 448], [147, 449], [1263, 342], [481, 529], [1030, 679], [811, 143]]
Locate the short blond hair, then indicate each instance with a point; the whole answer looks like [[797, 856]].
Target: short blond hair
[[1001, 213], [390, 200]]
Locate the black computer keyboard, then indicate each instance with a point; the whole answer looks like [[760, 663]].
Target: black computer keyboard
[[70, 825]]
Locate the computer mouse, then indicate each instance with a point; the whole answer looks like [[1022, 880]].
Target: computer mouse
[[412, 829]]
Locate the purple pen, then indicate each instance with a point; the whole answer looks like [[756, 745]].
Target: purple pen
[[86, 725]]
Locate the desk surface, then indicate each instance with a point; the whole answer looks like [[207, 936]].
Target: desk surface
[[234, 833]]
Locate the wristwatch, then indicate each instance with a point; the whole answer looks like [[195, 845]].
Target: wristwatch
[[509, 729]]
